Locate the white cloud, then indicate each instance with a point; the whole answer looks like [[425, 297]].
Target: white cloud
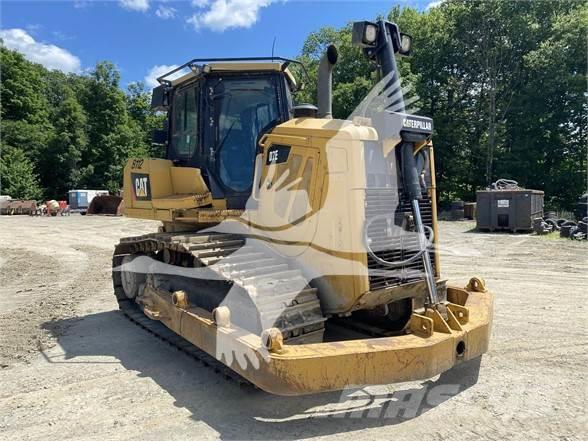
[[165, 12], [135, 5], [227, 14], [157, 71], [434, 4], [49, 55], [200, 3]]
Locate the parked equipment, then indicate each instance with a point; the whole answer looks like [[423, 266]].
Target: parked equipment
[[52, 207], [106, 205], [457, 210], [506, 206], [581, 210], [297, 250], [469, 210], [80, 200]]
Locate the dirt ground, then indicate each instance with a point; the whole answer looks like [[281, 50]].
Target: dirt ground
[[72, 367]]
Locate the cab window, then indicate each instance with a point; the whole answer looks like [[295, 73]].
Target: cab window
[[243, 107], [185, 123]]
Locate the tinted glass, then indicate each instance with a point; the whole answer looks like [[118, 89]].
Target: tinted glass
[[185, 123], [242, 107]]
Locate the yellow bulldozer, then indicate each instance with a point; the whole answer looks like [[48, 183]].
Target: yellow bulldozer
[[296, 251]]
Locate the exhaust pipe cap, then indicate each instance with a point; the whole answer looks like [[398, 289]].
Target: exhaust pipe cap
[[332, 54]]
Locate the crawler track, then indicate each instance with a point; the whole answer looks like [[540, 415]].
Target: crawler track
[[268, 284], [132, 311]]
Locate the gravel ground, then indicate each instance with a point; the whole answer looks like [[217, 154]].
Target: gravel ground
[[71, 367]]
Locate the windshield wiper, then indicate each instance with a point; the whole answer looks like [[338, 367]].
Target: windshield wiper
[[225, 137]]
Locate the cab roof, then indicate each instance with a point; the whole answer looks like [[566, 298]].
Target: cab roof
[[199, 67]]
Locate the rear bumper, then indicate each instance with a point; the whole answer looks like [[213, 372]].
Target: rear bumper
[[320, 367]]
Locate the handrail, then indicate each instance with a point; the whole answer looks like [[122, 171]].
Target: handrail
[[257, 177], [192, 63]]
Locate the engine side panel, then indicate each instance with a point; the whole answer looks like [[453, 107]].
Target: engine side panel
[[329, 240]]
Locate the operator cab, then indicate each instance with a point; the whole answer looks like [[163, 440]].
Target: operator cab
[[216, 115]]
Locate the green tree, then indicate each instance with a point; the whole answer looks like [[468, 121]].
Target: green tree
[[112, 137], [142, 117], [22, 90], [504, 82], [75, 130], [546, 135], [17, 175], [353, 75], [59, 163], [24, 110]]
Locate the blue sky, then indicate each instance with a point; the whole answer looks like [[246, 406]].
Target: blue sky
[[144, 37]]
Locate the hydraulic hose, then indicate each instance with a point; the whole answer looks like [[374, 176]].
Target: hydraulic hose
[[395, 264], [412, 188], [429, 276]]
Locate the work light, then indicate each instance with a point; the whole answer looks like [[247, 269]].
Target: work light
[[364, 34], [405, 44]]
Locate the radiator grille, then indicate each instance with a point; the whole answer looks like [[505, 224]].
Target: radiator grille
[[388, 240]]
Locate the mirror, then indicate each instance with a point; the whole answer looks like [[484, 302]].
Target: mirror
[[405, 44], [159, 98]]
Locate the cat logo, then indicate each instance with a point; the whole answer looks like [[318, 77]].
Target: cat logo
[[141, 186]]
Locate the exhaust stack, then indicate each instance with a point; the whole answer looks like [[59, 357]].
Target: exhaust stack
[[325, 82]]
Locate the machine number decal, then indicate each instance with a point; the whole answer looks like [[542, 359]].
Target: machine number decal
[[277, 154], [141, 186], [137, 163]]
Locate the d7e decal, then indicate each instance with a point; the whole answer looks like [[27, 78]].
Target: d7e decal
[[277, 154]]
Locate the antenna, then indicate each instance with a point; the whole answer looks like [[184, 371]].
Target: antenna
[[273, 46]]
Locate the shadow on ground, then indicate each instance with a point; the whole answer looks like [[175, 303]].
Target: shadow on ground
[[238, 412]]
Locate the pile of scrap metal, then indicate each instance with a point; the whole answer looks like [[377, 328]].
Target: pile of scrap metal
[[567, 228], [52, 208], [17, 206], [504, 184]]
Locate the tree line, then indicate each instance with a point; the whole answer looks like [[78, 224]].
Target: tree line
[[504, 81], [65, 131]]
